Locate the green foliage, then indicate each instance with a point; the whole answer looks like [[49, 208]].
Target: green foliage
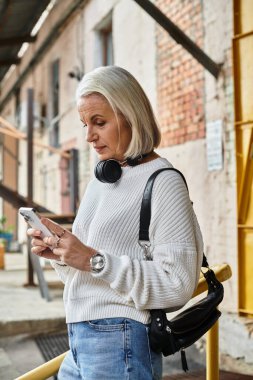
[[3, 228]]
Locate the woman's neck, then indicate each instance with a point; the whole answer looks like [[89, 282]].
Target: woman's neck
[[150, 157]]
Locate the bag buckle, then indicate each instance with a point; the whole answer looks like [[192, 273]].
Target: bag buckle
[[145, 245]]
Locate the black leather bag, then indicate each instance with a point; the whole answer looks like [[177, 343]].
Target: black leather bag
[[170, 336]]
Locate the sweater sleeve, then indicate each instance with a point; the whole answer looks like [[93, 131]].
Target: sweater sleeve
[[169, 280], [61, 269]]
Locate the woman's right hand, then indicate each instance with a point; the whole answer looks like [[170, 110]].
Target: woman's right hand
[[39, 247]]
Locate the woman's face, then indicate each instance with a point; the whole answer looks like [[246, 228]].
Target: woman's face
[[109, 136]]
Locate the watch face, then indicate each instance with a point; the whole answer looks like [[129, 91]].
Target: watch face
[[97, 262]]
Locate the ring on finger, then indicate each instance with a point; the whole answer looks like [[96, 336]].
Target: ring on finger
[[57, 242], [61, 234]]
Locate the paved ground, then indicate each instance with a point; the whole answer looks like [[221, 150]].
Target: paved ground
[[22, 309], [24, 314], [202, 376]]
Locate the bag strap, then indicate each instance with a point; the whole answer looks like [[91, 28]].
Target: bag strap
[[145, 214]]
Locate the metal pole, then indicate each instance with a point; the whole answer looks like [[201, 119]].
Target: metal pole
[[212, 353], [30, 274], [74, 184]]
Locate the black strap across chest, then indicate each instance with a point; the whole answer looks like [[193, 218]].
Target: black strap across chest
[[145, 213]]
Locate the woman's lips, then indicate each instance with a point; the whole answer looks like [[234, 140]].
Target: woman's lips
[[98, 149]]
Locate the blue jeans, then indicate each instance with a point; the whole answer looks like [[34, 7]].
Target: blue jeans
[[110, 349]]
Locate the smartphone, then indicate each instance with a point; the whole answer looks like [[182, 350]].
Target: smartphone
[[33, 219]]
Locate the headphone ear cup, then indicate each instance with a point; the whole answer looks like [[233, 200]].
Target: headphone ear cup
[[108, 171]]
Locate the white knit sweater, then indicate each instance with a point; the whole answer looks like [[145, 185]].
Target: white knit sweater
[[108, 221]]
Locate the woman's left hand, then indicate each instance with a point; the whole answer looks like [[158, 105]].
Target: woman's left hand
[[67, 247]]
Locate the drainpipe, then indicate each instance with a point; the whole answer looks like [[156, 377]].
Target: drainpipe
[[30, 274]]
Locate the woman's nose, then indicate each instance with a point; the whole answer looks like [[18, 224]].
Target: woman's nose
[[90, 134]]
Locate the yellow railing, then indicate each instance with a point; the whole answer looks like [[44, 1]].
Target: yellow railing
[[223, 273], [44, 371]]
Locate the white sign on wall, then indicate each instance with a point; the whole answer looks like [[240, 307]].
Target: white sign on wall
[[214, 145]]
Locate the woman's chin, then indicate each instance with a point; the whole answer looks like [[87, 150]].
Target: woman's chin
[[104, 157], [110, 156], [107, 156]]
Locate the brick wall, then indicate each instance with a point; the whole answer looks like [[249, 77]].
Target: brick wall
[[180, 78]]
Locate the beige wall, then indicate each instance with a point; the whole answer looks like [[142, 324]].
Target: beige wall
[[212, 204], [222, 233], [77, 46]]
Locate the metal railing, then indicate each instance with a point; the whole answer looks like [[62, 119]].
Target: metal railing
[[223, 272]]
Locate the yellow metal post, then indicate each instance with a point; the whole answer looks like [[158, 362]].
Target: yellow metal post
[[212, 353], [243, 116], [2, 251]]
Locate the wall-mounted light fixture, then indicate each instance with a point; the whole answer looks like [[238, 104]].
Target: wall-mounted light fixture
[[76, 73]]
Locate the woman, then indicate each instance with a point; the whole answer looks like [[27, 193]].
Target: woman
[[109, 287]]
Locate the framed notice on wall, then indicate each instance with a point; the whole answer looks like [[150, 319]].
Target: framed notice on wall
[[214, 145]]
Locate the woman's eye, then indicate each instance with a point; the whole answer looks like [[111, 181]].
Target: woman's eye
[[84, 125], [100, 123]]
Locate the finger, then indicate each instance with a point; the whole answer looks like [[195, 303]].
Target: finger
[[51, 240], [38, 249], [54, 227], [45, 254], [38, 242], [51, 256], [57, 252], [33, 232]]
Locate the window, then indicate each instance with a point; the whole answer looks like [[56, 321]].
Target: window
[[106, 45], [104, 42], [17, 107]]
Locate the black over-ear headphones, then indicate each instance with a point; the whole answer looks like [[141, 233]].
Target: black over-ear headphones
[[109, 171]]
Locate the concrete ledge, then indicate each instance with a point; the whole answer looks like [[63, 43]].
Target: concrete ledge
[[10, 328]]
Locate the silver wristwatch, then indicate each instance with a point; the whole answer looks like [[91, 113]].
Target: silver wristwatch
[[97, 262]]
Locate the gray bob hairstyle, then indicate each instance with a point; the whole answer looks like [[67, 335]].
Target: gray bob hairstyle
[[126, 97]]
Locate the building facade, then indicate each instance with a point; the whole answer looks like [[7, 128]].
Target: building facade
[[195, 110]]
